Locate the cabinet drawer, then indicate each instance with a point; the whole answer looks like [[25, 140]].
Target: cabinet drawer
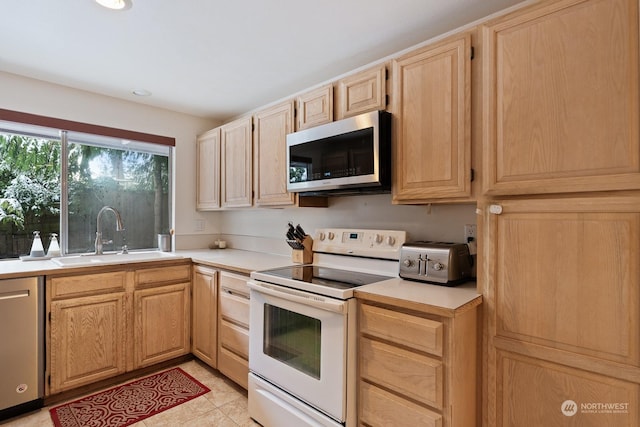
[[234, 307], [234, 283], [162, 275], [234, 338], [233, 366], [88, 284], [411, 331], [411, 374], [381, 408]]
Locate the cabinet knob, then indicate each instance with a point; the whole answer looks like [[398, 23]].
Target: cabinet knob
[[495, 209]]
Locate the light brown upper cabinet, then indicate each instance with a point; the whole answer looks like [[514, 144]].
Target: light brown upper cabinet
[[361, 92], [208, 170], [235, 169], [315, 107], [270, 158], [561, 98], [432, 122]]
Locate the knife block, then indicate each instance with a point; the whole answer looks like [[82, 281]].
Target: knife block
[[303, 256]]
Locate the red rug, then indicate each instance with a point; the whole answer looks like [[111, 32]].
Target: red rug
[[129, 403]]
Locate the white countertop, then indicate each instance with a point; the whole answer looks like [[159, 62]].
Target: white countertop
[[441, 300], [236, 259]]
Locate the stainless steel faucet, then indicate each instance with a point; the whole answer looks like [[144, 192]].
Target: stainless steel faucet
[[119, 227]]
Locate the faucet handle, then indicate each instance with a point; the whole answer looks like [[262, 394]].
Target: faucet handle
[[125, 249]]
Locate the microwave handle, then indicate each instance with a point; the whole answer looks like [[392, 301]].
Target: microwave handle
[[301, 297]]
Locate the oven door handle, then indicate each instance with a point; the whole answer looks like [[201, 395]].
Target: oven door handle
[[301, 297]]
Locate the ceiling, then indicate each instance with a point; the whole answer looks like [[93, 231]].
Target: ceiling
[[216, 59]]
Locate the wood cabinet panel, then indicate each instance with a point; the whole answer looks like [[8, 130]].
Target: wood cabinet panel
[[204, 302], [236, 155], [380, 408], [270, 159], [315, 107], [562, 98], [87, 340], [585, 296], [208, 170], [235, 338], [233, 327], [81, 285], [161, 325], [411, 374], [162, 275], [432, 122], [411, 331], [361, 92], [236, 368], [535, 393]]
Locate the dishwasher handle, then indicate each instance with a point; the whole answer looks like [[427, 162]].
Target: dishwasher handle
[[14, 294]]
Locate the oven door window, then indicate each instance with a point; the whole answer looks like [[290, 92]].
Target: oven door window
[[293, 339]]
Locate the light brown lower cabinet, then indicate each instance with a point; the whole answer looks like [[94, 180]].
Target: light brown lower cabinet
[[233, 327], [110, 322], [415, 367], [204, 321]]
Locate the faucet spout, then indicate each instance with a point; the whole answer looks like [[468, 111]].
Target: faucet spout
[[119, 226]]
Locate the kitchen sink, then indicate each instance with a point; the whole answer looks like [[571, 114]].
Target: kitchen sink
[[112, 258]]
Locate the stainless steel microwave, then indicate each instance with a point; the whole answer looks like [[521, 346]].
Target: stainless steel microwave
[[349, 156]]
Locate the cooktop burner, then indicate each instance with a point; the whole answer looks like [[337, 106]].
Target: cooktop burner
[[325, 276]]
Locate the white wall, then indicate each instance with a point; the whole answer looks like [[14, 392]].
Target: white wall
[[439, 222], [37, 97]]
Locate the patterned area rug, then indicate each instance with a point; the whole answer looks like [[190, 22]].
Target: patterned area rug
[[129, 403]]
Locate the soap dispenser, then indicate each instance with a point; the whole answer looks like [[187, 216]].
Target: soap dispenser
[[54, 247], [37, 250]]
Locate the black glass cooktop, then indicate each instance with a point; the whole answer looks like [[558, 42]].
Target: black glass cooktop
[[325, 276]]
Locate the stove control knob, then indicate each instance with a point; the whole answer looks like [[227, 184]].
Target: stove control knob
[[321, 236], [391, 240], [331, 236], [378, 238], [437, 266], [407, 263]]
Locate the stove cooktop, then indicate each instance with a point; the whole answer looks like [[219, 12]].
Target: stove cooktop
[[318, 279]]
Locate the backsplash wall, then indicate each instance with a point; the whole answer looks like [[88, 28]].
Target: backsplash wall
[[422, 222]]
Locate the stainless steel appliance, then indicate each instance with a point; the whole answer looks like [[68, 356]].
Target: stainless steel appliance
[[441, 263], [302, 358], [22, 348], [352, 155]]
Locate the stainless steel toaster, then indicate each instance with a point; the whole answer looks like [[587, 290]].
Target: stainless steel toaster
[[441, 263]]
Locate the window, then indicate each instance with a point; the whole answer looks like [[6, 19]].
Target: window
[[57, 181]]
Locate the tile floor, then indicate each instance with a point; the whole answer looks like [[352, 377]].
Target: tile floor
[[224, 406]]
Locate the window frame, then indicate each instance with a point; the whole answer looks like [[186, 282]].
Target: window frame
[[63, 128]]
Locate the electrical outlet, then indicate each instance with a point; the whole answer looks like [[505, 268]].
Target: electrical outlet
[[199, 225], [469, 232]]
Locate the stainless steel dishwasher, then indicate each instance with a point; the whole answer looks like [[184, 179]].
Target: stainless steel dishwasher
[[21, 345]]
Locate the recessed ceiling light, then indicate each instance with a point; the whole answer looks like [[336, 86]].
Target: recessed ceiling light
[[141, 92], [115, 4]]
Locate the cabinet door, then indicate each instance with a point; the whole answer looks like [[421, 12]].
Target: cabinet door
[[561, 98], [88, 340], [161, 324], [432, 122], [532, 392], [205, 315], [270, 159], [208, 171], [315, 107], [562, 284], [362, 92], [236, 156]]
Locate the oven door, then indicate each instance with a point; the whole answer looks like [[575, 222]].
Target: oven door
[[298, 341]]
